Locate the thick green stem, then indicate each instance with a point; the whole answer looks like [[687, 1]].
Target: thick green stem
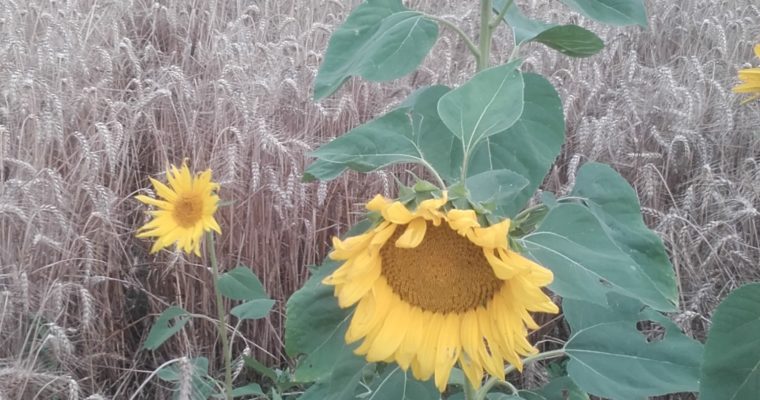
[[221, 325], [491, 382], [485, 34]]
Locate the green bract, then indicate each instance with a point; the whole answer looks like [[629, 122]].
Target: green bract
[[489, 143]]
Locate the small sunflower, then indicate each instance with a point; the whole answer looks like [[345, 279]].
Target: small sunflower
[[750, 78], [433, 287], [185, 213]]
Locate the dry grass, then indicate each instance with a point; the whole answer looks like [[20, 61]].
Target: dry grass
[[98, 95]]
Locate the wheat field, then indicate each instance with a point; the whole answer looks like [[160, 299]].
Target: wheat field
[[97, 95]]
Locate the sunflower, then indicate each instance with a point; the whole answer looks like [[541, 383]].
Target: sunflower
[[185, 213], [433, 287], [750, 78]]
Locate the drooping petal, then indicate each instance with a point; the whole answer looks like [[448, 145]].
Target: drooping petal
[[413, 235]]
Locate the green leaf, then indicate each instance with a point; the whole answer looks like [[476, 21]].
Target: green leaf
[[241, 284], [560, 388], [253, 309], [395, 384], [169, 322], [571, 40], [586, 263], [247, 390], [381, 40], [262, 369], [731, 368], [339, 381], [616, 206], [611, 358], [613, 12], [412, 133], [487, 104], [501, 185], [201, 385], [315, 327], [531, 145]]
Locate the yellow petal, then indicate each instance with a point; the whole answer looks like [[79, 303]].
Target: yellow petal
[[392, 333], [413, 338], [163, 191], [378, 203], [397, 213], [158, 203], [494, 236], [413, 235], [449, 349], [757, 50], [375, 307], [357, 287], [424, 364]]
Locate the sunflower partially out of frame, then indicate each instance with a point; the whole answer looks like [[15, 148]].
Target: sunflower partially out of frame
[[433, 288], [750, 78], [185, 212]]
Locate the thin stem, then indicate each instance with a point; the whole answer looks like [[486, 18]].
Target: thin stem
[[437, 177], [511, 368], [221, 325], [497, 20], [485, 34], [470, 44]]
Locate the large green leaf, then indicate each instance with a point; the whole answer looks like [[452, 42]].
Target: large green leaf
[[241, 284], [614, 12], [395, 384], [614, 203], [315, 327], [586, 263], [412, 133], [381, 40], [253, 309], [499, 186], [571, 40], [487, 104], [559, 388], [530, 146], [171, 321], [611, 358], [340, 381], [731, 368]]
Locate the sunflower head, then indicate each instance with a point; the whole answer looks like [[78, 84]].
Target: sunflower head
[[750, 78], [184, 211], [432, 288]]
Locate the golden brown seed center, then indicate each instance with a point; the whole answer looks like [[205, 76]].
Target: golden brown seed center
[[188, 210], [445, 273]]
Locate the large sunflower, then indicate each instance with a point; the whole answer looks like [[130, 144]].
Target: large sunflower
[[433, 287], [750, 78], [185, 213]]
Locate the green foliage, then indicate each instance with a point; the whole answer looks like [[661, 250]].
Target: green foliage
[[559, 388], [610, 357], [315, 327], [586, 263], [412, 133], [241, 284], [395, 384], [487, 104], [571, 40], [253, 309], [614, 12], [530, 146], [731, 368], [169, 322], [615, 205], [201, 385], [500, 186], [381, 40]]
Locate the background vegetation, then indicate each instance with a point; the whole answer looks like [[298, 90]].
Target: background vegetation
[[95, 96]]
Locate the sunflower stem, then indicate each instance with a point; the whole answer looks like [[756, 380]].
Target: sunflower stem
[[221, 325], [485, 34], [491, 382]]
